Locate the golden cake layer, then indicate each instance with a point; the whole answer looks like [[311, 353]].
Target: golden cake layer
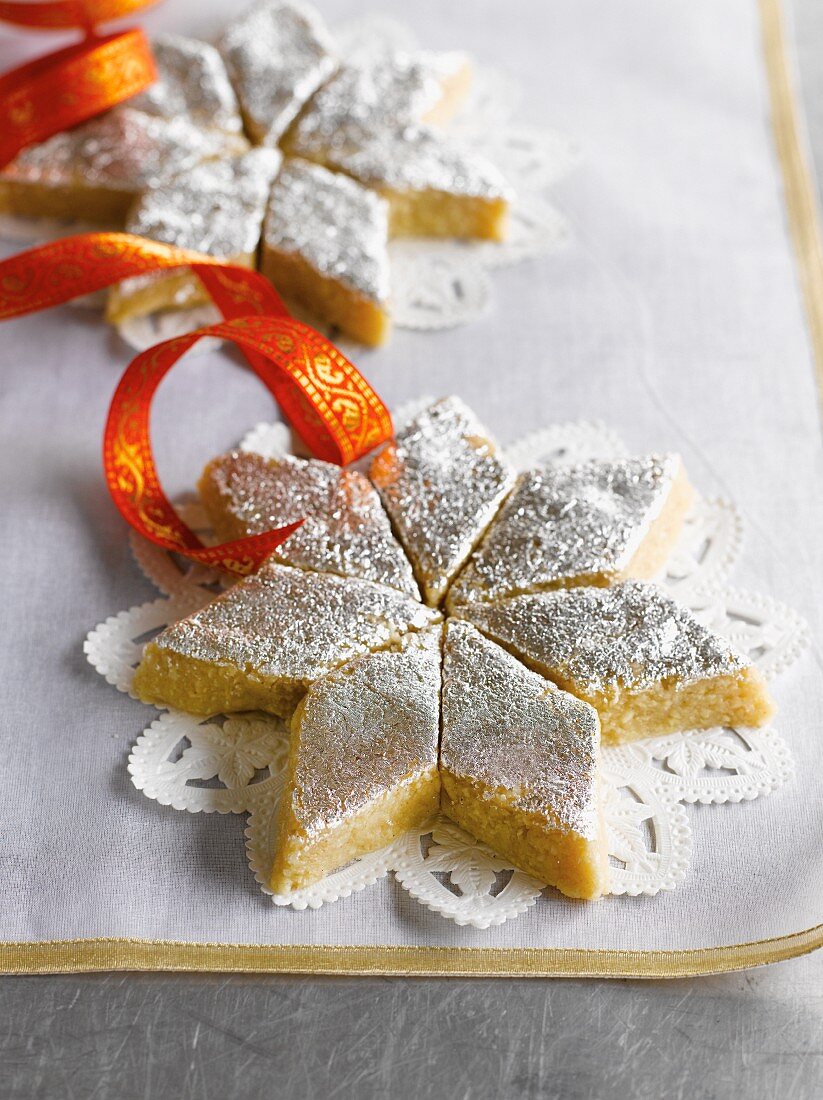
[[434, 187], [325, 247]]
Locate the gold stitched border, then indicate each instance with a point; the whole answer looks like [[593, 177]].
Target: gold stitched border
[[73, 956], [798, 186]]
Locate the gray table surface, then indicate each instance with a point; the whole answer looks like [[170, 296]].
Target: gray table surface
[[756, 1034]]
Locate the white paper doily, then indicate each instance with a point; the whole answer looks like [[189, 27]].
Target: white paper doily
[[235, 764], [436, 284]]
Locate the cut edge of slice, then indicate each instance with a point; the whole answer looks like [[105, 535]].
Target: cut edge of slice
[[366, 320], [575, 865], [300, 861]]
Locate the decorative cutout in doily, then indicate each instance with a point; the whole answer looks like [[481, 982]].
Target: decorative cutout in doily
[[235, 764], [436, 284]]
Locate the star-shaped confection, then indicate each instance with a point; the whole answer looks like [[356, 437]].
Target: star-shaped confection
[[337, 640], [365, 161]]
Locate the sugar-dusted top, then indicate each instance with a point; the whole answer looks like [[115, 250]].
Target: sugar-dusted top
[[277, 54], [384, 96], [366, 729], [294, 623], [630, 636], [512, 731], [420, 158], [442, 481], [122, 149], [345, 528], [192, 82], [216, 208], [569, 524]]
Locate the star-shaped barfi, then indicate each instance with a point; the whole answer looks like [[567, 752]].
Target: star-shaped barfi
[[354, 153], [496, 714]]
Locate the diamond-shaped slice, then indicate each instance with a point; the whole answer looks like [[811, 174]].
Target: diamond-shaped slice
[[277, 54], [193, 83], [325, 246], [363, 761], [595, 523], [95, 171], [519, 765], [217, 208], [383, 95], [262, 644], [345, 528], [642, 660], [442, 481], [434, 186]]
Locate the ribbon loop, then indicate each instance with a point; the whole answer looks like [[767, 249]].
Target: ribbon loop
[[328, 401]]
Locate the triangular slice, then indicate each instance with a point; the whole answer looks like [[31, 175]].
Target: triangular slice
[[383, 95], [262, 644], [520, 764], [278, 54], [325, 246], [434, 186], [442, 482], [595, 523], [193, 83], [216, 208], [95, 171], [363, 761], [640, 658], [345, 528]]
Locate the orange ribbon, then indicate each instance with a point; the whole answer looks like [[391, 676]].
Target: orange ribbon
[[330, 404], [55, 92]]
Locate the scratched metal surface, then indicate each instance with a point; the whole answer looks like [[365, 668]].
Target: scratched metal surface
[[752, 1035], [756, 1034]]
